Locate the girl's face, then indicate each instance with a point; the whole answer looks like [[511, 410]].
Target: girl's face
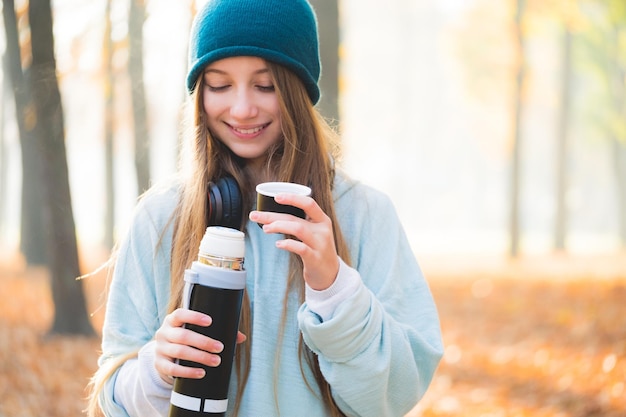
[[242, 107]]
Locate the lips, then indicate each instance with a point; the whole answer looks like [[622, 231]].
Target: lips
[[247, 131]]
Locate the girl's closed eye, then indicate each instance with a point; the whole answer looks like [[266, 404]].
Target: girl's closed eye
[[266, 88], [217, 88]]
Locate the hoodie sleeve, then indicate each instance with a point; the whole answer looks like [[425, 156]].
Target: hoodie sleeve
[[137, 302], [381, 346]]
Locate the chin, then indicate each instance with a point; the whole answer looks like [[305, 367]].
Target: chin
[[247, 154]]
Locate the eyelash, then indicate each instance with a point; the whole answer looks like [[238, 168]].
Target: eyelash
[[263, 88], [216, 89]]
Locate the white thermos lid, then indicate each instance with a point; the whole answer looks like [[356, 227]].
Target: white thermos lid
[[223, 242]]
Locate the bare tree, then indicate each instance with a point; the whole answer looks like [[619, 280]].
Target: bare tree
[[70, 312], [109, 85], [514, 220], [136, 18], [3, 155], [31, 225], [328, 21], [617, 75], [560, 229]]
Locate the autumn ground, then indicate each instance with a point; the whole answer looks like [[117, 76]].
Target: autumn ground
[[535, 337]]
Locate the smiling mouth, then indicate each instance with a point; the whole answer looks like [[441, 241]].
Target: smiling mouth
[[250, 131]]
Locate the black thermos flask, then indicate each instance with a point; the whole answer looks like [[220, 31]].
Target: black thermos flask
[[214, 285]]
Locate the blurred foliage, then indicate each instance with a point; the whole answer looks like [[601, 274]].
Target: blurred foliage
[[599, 30], [602, 58]]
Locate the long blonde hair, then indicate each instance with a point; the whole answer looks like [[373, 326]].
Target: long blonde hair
[[304, 155]]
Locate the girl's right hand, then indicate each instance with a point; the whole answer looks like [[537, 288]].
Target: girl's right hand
[[173, 341]]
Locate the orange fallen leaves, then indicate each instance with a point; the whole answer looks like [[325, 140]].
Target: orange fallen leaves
[[546, 343], [39, 375], [519, 342]]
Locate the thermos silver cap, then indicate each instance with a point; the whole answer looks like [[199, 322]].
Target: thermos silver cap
[[223, 242]]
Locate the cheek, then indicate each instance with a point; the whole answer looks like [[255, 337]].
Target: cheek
[[209, 104], [213, 105], [271, 106]]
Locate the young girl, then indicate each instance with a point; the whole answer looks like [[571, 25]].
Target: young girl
[[337, 318]]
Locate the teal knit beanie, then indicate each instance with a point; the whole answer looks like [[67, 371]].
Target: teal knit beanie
[[280, 31]]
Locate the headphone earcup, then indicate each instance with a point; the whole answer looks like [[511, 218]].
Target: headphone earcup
[[231, 200], [224, 204]]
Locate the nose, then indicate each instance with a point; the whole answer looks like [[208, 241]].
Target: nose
[[244, 105]]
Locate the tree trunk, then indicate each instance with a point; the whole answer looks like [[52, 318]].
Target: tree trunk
[[517, 137], [619, 152], [560, 230], [69, 302], [328, 21], [618, 89], [109, 85], [4, 98], [32, 245], [136, 18]]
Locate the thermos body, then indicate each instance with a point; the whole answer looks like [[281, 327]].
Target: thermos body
[[218, 292]]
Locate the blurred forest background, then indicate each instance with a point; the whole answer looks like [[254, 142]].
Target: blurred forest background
[[497, 127]]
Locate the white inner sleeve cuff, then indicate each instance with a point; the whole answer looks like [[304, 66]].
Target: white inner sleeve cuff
[[146, 363], [138, 383], [325, 302]]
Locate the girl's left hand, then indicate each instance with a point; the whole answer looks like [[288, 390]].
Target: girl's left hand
[[315, 242]]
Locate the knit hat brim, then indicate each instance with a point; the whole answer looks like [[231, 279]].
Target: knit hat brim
[[199, 64]]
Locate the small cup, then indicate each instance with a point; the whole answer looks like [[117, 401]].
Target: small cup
[[268, 190]]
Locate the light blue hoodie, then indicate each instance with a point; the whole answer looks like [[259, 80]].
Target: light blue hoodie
[[376, 329]]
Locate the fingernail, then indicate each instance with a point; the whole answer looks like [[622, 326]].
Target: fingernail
[[217, 360], [253, 215], [200, 373], [218, 347]]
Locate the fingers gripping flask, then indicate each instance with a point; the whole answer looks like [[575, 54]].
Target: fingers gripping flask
[[214, 285]]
